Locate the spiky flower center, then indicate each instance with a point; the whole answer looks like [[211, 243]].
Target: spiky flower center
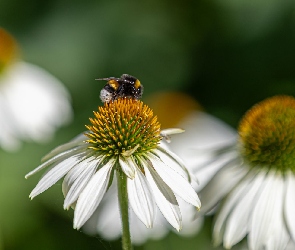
[[125, 125], [8, 49], [267, 134]]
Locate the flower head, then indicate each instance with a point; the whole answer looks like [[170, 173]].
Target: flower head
[[256, 179], [124, 136], [267, 134], [124, 127], [32, 102]]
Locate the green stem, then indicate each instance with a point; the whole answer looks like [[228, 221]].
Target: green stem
[[123, 202]]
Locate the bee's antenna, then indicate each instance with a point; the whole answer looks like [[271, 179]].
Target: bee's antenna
[[107, 79]]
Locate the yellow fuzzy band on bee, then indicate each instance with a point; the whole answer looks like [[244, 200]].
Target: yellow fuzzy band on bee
[[114, 84], [137, 84]]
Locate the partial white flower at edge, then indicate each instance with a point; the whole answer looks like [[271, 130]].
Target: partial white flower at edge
[[254, 184], [33, 104]]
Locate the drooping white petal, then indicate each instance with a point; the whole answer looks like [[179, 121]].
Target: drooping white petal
[[175, 158], [202, 131], [278, 236], [74, 173], [227, 208], [80, 182], [175, 181], [53, 175], [128, 166], [106, 219], [289, 206], [54, 161], [91, 196], [74, 144], [205, 169], [141, 199], [191, 223], [263, 213], [221, 184], [172, 163], [238, 220], [164, 197]]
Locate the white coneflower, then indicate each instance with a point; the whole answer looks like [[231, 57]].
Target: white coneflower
[[202, 131], [32, 102], [256, 181], [124, 138]]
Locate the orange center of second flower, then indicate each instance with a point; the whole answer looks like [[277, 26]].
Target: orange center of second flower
[[8, 49], [267, 134], [123, 125]]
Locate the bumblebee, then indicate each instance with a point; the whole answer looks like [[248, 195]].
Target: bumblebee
[[125, 86]]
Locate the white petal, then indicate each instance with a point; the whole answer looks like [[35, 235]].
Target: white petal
[[175, 181], [78, 141], [181, 168], [74, 173], [221, 184], [165, 133], [278, 236], [108, 221], [53, 175], [80, 182], [169, 160], [56, 160], [204, 168], [141, 199], [203, 133], [289, 206], [127, 166], [91, 196], [269, 203], [171, 131], [226, 209], [191, 224], [238, 220], [164, 197]]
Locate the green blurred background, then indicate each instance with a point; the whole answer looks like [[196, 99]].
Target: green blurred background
[[227, 54]]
